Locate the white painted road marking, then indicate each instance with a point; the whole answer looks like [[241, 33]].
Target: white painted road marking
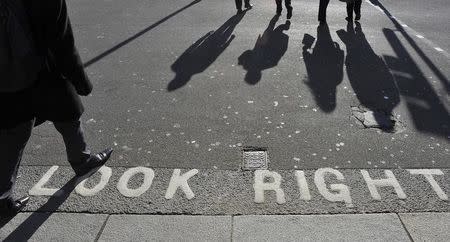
[[81, 188], [263, 180], [303, 185], [260, 186], [338, 193], [428, 174], [122, 185], [390, 181], [178, 180], [39, 189]]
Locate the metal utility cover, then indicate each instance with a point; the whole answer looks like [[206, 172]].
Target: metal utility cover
[[255, 159]]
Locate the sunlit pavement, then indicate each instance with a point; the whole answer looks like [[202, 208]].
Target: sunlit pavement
[[353, 119]]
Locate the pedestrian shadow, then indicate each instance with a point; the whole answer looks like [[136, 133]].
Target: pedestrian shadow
[[324, 65], [442, 78], [426, 109], [28, 227], [200, 55], [369, 76], [267, 52]]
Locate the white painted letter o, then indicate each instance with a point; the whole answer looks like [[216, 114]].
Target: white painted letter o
[[87, 192], [122, 185]]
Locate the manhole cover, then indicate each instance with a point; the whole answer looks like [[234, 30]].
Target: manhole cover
[[255, 159]]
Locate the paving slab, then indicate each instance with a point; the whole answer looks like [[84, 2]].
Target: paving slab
[[373, 227], [167, 228], [52, 227], [427, 226]]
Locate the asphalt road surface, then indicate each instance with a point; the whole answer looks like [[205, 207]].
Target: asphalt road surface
[[183, 84]]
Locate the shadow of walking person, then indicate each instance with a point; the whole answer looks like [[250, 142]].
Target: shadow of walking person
[[369, 76], [325, 67], [200, 55], [31, 224], [428, 112], [267, 52]]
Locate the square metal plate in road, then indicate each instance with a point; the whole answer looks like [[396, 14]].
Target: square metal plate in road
[[255, 160]]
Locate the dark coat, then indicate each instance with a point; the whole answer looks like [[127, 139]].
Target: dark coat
[[55, 96]]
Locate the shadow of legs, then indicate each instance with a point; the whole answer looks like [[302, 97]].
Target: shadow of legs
[[26, 230]]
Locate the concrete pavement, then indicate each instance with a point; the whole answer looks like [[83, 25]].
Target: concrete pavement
[[344, 227]]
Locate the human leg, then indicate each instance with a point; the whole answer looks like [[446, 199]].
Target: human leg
[[287, 3], [247, 4], [323, 10], [78, 155], [279, 7], [357, 9], [350, 7], [76, 147], [238, 4], [12, 145], [289, 8]]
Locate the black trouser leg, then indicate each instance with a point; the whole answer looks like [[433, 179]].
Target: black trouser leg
[[76, 147], [357, 7], [323, 10], [287, 3], [12, 144], [279, 7], [238, 4], [350, 7]]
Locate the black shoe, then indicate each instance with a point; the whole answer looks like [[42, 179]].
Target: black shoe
[[289, 13], [248, 6], [349, 19], [357, 17], [239, 11], [9, 207], [94, 163]]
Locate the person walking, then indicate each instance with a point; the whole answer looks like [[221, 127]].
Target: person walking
[[53, 94], [353, 6], [239, 5], [287, 4], [323, 11]]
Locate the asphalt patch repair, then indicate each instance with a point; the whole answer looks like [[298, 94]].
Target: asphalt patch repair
[[143, 190]]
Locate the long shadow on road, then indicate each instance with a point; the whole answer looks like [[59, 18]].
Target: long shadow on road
[[29, 227], [410, 40], [200, 55], [137, 35], [427, 111], [369, 76]]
